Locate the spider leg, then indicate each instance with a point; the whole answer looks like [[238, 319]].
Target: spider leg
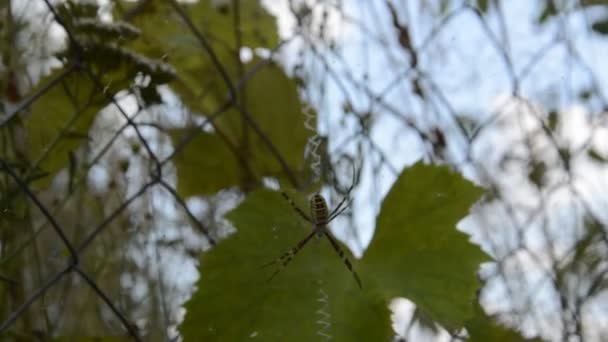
[[286, 257], [296, 208], [337, 208], [340, 252], [335, 213]]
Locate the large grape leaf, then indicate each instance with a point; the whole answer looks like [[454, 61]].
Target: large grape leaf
[[483, 328], [206, 164], [257, 27], [236, 301], [417, 252], [273, 104], [166, 33]]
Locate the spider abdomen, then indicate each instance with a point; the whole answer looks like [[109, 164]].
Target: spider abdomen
[[318, 210], [319, 218]]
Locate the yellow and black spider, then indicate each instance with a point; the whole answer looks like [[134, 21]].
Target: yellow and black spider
[[319, 217]]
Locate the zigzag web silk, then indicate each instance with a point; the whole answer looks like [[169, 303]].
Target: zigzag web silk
[[311, 153], [320, 217]]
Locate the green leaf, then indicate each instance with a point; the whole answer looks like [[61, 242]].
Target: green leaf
[[65, 111], [425, 321], [71, 11], [272, 102], [257, 27], [269, 99], [94, 29], [100, 45], [417, 252], [483, 328], [205, 165], [81, 19], [165, 35], [59, 121], [236, 301]]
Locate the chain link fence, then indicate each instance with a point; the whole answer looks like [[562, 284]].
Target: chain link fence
[[511, 94]]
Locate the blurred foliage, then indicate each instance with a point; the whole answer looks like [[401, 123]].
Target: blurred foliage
[[586, 259], [200, 84], [550, 9], [600, 26], [237, 154], [596, 156], [59, 121], [483, 5]]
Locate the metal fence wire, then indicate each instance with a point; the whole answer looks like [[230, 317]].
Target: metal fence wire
[[517, 106]]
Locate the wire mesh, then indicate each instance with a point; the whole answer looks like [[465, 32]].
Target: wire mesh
[[543, 221]]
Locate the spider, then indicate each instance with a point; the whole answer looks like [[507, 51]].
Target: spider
[[319, 217]]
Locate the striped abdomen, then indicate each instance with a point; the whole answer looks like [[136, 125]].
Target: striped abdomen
[[318, 210]]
